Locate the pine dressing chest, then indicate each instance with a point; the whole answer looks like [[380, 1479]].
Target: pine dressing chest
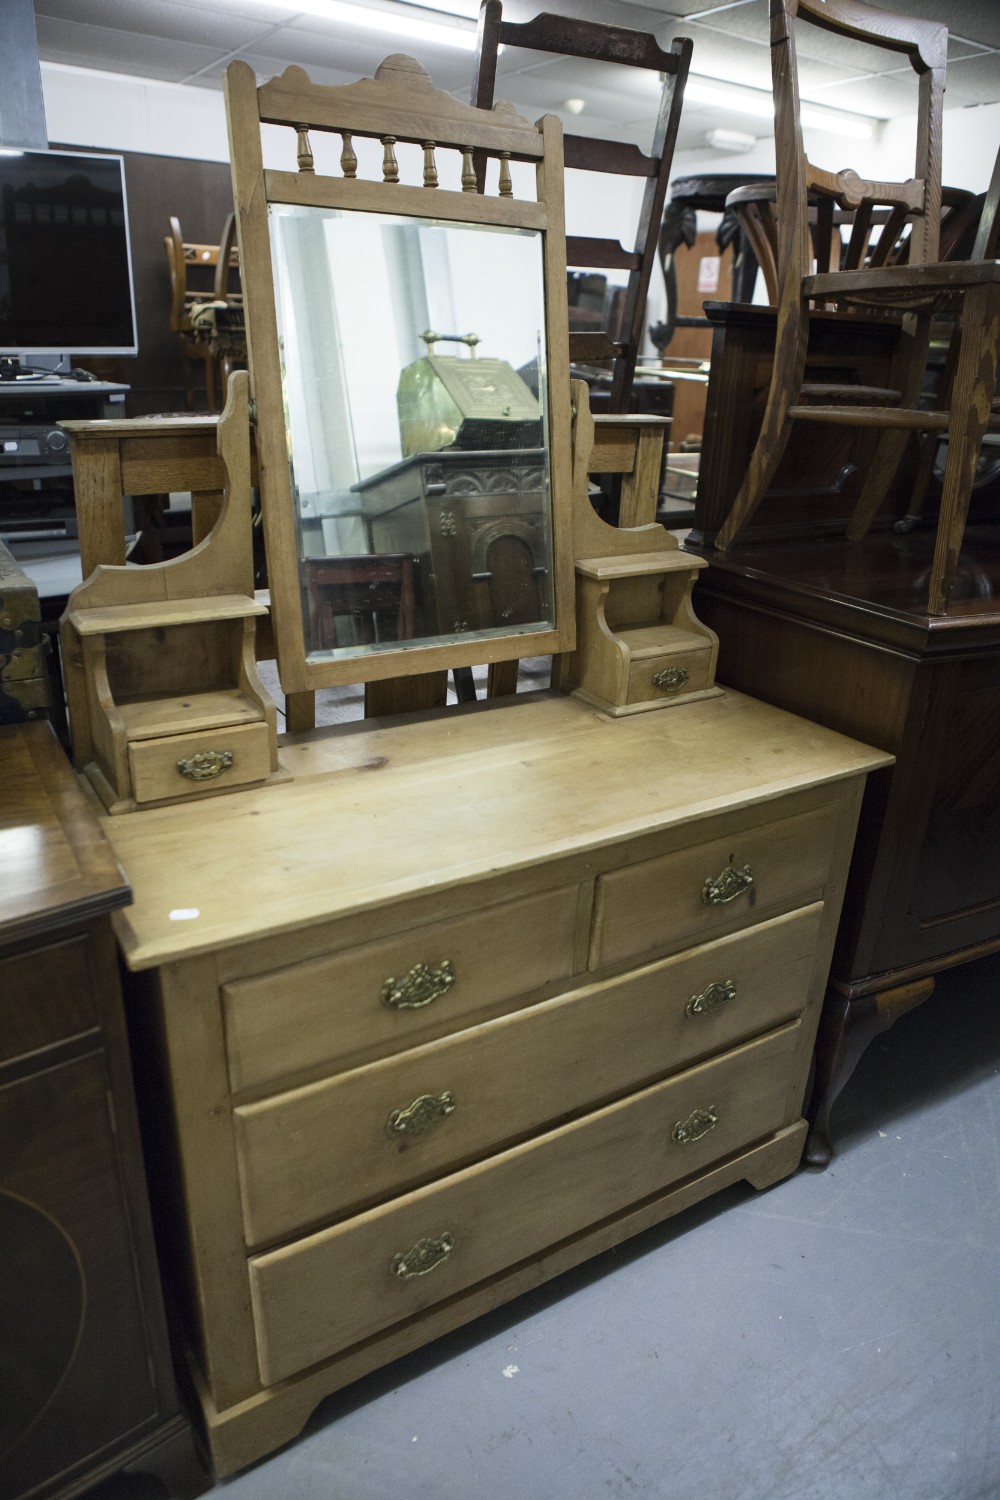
[[437, 1009], [460, 1004]]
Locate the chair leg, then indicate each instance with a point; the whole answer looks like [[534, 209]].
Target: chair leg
[[930, 441], [888, 455], [972, 399], [210, 382], [775, 428], [885, 462]]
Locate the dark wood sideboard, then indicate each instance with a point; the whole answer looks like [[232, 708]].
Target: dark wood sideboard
[[838, 632], [86, 1383]]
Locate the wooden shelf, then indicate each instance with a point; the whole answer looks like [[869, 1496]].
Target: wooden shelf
[[148, 718], [638, 565], [657, 639], [111, 619]]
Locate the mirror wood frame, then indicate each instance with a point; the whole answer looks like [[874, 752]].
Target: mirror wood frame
[[398, 104]]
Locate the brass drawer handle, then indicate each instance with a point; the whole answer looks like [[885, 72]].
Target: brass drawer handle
[[425, 1257], [419, 986], [206, 764], [714, 995], [726, 887], [671, 679], [421, 1115], [698, 1123]]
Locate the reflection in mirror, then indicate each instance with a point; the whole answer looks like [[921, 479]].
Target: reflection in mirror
[[415, 407]]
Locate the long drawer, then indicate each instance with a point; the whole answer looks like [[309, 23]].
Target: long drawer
[[438, 976], [320, 1151], [327, 1292], [701, 892]]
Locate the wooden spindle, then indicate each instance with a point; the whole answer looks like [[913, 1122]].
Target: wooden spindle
[[390, 166], [348, 160], [468, 171], [506, 186], [430, 165], [303, 150]]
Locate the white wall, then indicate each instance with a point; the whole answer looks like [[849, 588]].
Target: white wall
[[969, 146], [118, 113]]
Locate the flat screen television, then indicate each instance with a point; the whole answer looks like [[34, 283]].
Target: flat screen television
[[65, 259]]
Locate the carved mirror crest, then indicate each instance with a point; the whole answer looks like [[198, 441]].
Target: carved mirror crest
[[409, 353]]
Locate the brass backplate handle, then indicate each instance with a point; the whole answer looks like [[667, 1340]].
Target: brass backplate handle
[[418, 986], [733, 881], [424, 1113], [698, 1123], [671, 679], [206, 765], [425, 1257], [712, 997]]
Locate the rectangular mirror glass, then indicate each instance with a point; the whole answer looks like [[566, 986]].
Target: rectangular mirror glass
[[414, 384]]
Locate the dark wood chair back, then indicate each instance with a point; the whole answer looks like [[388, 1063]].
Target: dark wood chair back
[[568, 37], [915, 203], [185, 259], [201, 275]]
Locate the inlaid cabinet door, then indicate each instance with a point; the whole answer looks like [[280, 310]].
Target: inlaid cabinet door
[[74, 1364]]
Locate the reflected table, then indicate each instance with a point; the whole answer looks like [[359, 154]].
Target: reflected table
[[476, 522]]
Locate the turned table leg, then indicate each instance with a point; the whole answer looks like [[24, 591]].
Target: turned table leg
[[846, 1028]]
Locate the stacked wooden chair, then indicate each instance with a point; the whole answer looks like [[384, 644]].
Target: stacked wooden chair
[[207, 317], [875, 280], [567, 37]]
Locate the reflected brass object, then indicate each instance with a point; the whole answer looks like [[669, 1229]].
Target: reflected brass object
[[419, 986], [716, 994], [698, 1123], [206, 765], [424, 1257], [445, 400], [726, 887], [671, 679], [421, 1115]]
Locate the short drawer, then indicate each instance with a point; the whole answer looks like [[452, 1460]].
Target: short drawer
[[233, 757], [324, 1293], [719, 886], [46, 996], [317, 1152], [658, 678], [395, 993]]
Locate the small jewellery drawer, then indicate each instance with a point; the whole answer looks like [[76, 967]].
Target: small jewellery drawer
[[323, 1150], [34, 1011], [391, 994], [661, 677], [182, 765], [322, 1294], [698, 893]]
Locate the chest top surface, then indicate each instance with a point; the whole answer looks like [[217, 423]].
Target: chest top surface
[[375, 817], [55, 863]]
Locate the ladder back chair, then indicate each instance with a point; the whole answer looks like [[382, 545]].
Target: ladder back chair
[[874, 284], [568, 37], [194, 304]]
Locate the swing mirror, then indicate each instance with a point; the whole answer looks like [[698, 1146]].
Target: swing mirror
[[412, 421]]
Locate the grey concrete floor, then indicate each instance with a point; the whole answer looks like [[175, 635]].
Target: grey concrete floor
[[835, 1338]]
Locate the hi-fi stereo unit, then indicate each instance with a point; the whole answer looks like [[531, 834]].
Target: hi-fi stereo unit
[[38, 443]]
